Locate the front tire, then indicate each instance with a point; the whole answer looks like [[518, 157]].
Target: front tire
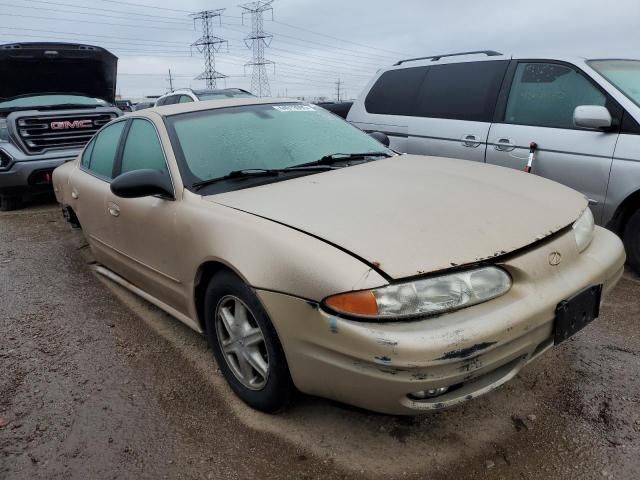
[[246, 345], [631, 240]]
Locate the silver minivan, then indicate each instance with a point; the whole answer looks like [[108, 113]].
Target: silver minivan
[[583, 116]]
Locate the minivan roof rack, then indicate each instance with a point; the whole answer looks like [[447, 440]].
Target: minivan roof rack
[[435, 58]]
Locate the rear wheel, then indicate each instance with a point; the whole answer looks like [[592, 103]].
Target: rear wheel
[[246, 345], [9, 202], [632, 241]]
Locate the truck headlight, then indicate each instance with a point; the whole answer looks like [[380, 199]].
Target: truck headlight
[[424, 297], [583, 229]]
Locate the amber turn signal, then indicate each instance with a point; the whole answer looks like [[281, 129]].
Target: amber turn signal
[[354, 303]]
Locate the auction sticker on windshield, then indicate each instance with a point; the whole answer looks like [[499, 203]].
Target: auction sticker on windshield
[[294, 108]]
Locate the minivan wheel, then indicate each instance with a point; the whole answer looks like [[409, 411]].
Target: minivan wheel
[[246, 345], [631, 240], [9, 202]]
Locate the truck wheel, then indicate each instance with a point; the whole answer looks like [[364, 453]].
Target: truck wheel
[[632, 241], [9, 202], [246, 345]]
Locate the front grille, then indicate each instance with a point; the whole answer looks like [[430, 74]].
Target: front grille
[[59, 132]]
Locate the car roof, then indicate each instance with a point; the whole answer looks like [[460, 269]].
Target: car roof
[[488, 56], [178, 108]]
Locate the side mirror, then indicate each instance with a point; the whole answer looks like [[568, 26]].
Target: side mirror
[[381, 137], [142, 183], [592, 116]]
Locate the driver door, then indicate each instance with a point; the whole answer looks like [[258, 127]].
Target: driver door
[[146, 227]]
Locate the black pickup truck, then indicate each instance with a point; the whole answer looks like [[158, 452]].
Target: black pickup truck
[[53, 98]]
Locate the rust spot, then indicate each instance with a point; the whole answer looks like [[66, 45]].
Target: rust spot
[[376, 264], [384, 360], [386, 342], [333, 325], [466, 352]]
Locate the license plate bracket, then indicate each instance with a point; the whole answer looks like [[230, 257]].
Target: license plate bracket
[[574, 314]]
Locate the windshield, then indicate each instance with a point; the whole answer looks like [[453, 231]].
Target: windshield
[[51, 100], [223, 95], [622, 74], [213, 143]]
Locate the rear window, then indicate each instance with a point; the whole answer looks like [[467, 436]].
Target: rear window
[[460, 91], [395, 92]]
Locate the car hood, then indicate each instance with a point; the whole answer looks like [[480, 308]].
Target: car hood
[[409, 215], [42, 68]]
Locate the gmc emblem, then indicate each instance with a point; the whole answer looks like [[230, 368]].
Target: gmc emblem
[[66, 124]]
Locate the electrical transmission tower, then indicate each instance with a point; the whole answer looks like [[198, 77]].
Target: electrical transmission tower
[[339, 84], [209, 44], [257, 40]]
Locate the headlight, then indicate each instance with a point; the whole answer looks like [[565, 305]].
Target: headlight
[[4, 131], [425, 297], [583, 229]]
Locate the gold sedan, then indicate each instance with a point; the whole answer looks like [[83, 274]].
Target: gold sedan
[[315, 258]]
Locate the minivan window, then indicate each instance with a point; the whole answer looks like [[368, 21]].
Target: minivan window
[[622, 74], [142, 149], [461, 91], [546, 95], [105, 147], [395, 92]]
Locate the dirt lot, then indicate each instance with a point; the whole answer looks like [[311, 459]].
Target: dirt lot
[[95, 383]]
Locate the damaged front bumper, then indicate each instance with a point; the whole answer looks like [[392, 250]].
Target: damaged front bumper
[[379, 366]]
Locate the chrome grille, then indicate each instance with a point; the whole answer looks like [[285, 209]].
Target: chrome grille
[[59, 132]]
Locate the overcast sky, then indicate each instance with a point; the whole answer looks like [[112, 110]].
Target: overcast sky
[[318, 41]]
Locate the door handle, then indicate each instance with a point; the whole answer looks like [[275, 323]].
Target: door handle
[[504, 145], [470, 141], [114, 210]]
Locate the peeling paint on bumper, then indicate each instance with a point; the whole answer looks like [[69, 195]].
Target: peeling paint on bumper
[[376, 365]]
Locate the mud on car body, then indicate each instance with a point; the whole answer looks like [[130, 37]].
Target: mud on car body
[[53, 98], [313, 257]]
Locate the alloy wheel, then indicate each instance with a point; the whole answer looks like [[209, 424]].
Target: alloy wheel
[[242, 342]]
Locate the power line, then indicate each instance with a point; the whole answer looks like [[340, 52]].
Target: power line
[[91, 35], [209, 44], [339, 39], [103, 10], [146, 6], [61, 19], [259, 40]]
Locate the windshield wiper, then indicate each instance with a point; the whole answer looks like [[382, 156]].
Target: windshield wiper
[[341, 157], [252, 173]]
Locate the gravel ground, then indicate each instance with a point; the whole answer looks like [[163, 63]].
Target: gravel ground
[[96, 383]]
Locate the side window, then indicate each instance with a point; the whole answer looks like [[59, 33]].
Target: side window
[[395, 92], [185, 99], [142, 149], [461, 91], [105, 147], [546, 94], [161, 101], [86, 155], [170, 100]]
